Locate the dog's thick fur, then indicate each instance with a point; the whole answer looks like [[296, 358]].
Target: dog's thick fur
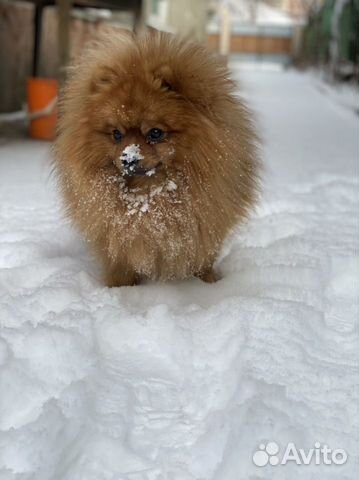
[[173, 223]]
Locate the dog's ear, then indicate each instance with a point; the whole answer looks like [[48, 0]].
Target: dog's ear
[[191, 85], [165, 79], [105, 74], [103, 80]]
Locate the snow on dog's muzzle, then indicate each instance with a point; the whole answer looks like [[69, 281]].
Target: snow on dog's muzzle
[[130, 159]]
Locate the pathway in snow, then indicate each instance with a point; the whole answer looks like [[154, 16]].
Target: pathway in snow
[[183, 381]]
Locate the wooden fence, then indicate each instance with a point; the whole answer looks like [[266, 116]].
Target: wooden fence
[[16, 48], [254, 44]]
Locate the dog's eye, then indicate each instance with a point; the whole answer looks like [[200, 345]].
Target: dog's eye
[[155, 135], [117, 135]]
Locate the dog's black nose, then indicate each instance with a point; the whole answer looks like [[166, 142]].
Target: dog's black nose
[[127, 161], [130, 163], [130, 158]]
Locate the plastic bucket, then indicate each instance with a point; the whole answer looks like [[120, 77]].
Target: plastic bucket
[[42, 96]]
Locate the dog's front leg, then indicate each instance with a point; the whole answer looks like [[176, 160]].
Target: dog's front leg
[[120, 275]]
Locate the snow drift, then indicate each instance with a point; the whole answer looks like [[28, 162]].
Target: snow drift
[[183, 380]]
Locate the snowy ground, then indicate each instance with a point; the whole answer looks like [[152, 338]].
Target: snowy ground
[[183, 381]]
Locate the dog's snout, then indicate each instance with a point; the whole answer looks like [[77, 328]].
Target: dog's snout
[[128, 161], [130, 158], [132, 165]]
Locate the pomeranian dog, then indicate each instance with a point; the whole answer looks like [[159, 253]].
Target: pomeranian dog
[[155, 155]]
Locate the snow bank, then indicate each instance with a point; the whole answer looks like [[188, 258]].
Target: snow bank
[[183, 380], [243, 11]]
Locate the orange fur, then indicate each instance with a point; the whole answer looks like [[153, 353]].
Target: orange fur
[[208, 178]]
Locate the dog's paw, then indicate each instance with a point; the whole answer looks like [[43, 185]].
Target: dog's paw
[[209, 276]]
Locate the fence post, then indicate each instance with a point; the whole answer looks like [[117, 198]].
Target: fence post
[[64, 19]]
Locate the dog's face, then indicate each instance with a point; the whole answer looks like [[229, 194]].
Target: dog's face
[[138, 123], [144, 109]]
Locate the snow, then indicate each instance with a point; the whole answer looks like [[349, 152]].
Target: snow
[[344, 94], [151, 172], [184, 380], [260, 14], [264, 14], [171, 186], [131, 152], [139, 202], [129, 157]]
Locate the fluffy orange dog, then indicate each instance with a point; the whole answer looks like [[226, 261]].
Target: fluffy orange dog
[[156, 156]]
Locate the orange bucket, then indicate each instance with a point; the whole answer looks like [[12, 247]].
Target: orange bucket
[[42, 107]]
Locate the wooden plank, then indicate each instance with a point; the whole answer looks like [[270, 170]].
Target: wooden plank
[[64, 19], [16, 37]]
